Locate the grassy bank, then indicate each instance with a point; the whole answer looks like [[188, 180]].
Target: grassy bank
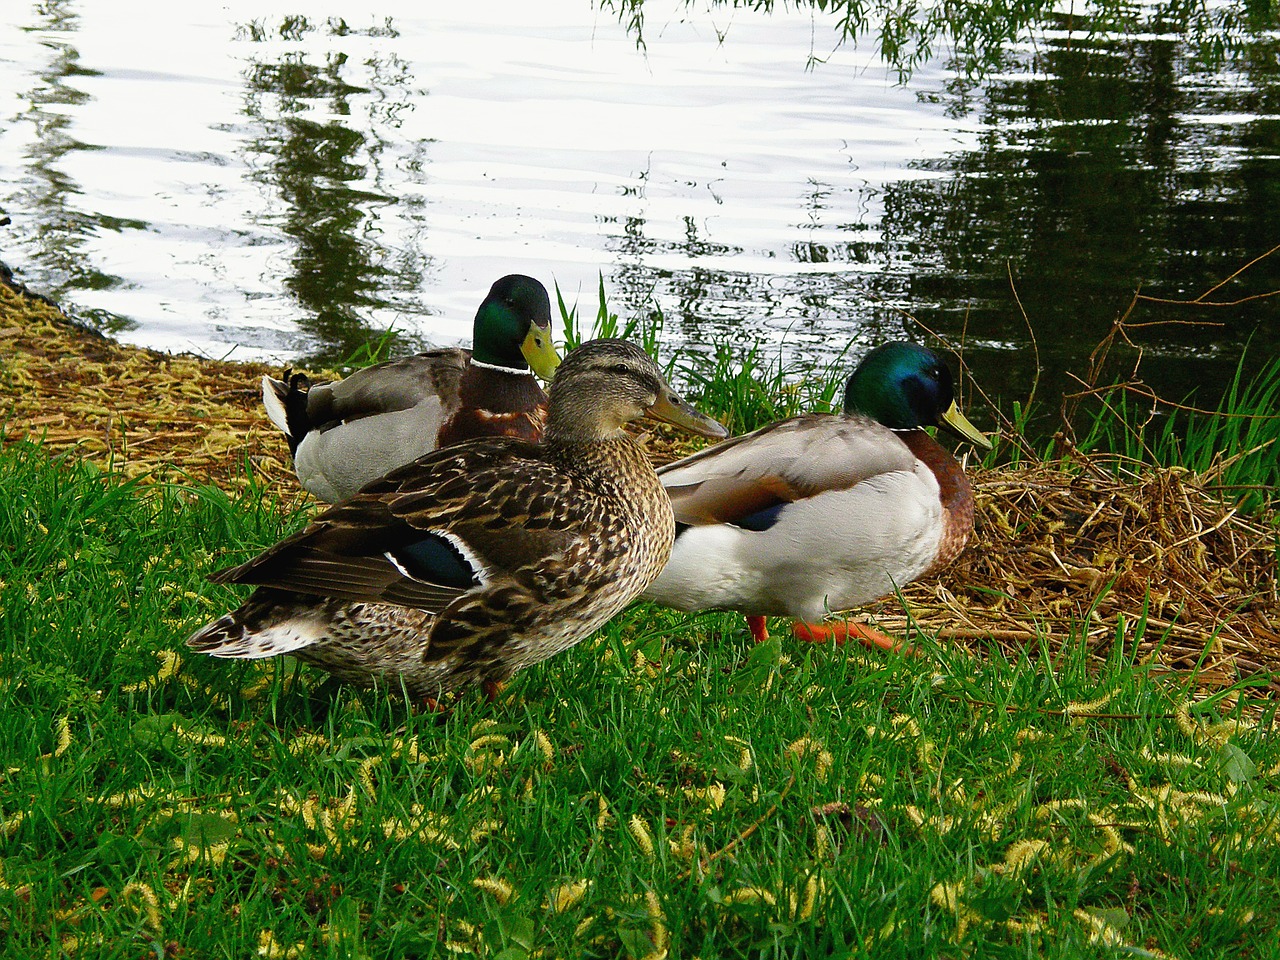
[[664, 786], [1052, 777]]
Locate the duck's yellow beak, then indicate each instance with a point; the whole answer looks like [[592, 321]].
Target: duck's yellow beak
[[540, 352], [669, 408], [959, 424]]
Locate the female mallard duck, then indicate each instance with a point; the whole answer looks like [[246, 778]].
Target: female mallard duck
[[821, 513], [344, 434], [479, 559]]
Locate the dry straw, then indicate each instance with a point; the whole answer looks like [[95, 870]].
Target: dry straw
[[1060, 553]]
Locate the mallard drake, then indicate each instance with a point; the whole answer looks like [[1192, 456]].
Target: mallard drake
[[823, 512], [478, 559], [346, 433]]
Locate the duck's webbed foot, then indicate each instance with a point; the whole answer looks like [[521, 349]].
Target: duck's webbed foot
[[843, 630]]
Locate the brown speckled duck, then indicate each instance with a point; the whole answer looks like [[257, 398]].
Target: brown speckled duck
[[478, 559], [820, 513], [347, 433]]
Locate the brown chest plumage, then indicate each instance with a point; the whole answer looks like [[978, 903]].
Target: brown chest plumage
[[954, 491], [495, 404]]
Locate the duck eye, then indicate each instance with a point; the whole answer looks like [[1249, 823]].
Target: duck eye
[[621, 369]]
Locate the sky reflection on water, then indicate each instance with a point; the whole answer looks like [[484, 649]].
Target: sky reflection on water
[[284, 181]]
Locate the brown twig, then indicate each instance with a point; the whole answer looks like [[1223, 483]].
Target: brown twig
[[743, 835]]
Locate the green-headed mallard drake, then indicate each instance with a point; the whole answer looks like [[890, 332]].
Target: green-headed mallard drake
[[344, 434], [823, 512], [478, 559]]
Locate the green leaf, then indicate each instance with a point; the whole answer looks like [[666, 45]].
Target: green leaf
[[1114, 917], [651, 647], [519, 930], [753, 676], [1235, 763], [635, 942], [993, 897], [155, 731], [203, 829]]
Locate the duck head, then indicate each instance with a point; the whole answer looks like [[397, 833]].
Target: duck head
[[513, 327], [906, 386], [605, 384]]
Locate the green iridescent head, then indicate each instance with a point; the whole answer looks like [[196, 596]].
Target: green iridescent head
[[906, 386], [513, 327]]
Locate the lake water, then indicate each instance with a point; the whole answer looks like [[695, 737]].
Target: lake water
[[285, 181]]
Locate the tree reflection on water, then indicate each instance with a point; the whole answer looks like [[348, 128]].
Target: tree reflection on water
[[316, 160]]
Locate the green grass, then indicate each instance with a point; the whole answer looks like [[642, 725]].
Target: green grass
[[663, 786], [1237, 445]]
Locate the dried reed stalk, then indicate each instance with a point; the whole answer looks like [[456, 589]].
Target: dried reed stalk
[[1076, 550]]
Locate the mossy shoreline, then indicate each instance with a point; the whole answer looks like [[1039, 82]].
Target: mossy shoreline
[[138, 410]]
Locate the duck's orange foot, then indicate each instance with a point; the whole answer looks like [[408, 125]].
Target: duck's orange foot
[[842, 630], [759, 628], [492, 688]]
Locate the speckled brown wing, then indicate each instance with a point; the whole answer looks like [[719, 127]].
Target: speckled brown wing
[[478, 627], [499, 502]]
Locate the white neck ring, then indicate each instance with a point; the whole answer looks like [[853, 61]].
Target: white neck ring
[[499, 368]]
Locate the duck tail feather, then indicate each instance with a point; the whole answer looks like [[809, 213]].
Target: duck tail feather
[[274, 395], [269, 623], [286, 403]]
